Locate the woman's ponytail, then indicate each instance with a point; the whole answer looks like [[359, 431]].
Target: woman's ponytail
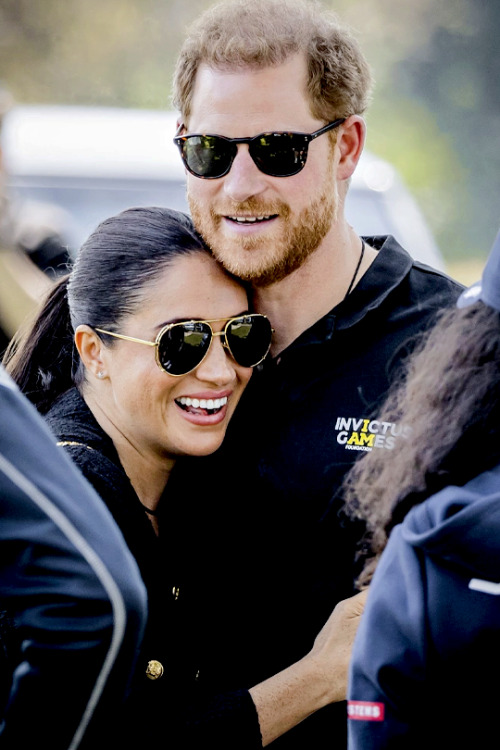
[[40, 357]]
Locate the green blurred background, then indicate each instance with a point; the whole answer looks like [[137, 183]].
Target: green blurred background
[[435, 112]]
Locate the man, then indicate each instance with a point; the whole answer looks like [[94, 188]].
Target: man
[[73, 605], [271, 96]]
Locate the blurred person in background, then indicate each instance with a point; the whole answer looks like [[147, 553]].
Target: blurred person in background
[[32, 246], [425, 658]]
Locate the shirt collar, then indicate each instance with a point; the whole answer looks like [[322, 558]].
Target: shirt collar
[[386, 272]]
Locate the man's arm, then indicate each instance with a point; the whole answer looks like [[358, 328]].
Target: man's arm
[[320, 678]]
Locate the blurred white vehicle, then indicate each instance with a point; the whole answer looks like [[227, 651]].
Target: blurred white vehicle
[[89, 163]]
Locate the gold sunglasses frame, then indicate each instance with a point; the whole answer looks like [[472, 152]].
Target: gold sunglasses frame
[[167, 327]]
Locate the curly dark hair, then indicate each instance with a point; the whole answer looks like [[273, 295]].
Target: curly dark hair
[[449, 397]]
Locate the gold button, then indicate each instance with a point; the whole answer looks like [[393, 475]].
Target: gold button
[[154, 669]]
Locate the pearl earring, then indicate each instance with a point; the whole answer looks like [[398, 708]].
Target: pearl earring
[[100, 374]]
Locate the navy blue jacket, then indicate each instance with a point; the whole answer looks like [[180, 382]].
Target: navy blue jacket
[[426, 658], [72, 591]]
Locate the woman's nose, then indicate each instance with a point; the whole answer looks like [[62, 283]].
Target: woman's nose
[[218, 366]]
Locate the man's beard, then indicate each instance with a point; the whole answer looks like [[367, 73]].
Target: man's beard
[[264, 261]]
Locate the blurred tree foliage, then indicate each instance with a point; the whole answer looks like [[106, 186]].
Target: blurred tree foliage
[[435, 113], [436, 110]]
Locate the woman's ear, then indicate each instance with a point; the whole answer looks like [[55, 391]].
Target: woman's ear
[[91, 350], [350, 142]]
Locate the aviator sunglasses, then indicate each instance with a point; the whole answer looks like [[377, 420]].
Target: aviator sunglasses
[[275, 154], [181, 347]]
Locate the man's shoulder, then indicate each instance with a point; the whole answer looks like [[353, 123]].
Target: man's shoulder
[[411, 282], [395, 262], [398, 288], [432, 287]]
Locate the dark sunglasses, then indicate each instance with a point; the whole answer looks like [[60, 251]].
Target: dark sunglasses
[[275, 154], [181, 347]]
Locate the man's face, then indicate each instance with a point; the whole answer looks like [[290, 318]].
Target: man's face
[[260, 227]]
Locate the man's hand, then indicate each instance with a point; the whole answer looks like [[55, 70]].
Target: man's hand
[[333, 644], [320, 678]]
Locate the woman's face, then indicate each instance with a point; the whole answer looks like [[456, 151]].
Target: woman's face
[[146, 406]]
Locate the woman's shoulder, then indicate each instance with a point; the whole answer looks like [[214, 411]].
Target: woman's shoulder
[[78, 433], [69, 415]]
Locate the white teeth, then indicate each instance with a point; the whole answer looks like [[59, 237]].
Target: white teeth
[[248, 219], [203, 403]]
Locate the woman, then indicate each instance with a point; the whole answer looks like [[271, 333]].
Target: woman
[[427, 646], [136, 359]]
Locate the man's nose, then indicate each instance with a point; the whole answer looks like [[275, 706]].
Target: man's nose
[[244, 179]]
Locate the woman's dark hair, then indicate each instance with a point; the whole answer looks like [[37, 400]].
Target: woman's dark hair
[[124, 254], [449, 398]]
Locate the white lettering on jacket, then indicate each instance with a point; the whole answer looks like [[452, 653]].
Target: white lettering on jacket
[[485, 587]]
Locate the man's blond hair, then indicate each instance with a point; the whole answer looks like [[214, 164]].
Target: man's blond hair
[[262, 33]]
